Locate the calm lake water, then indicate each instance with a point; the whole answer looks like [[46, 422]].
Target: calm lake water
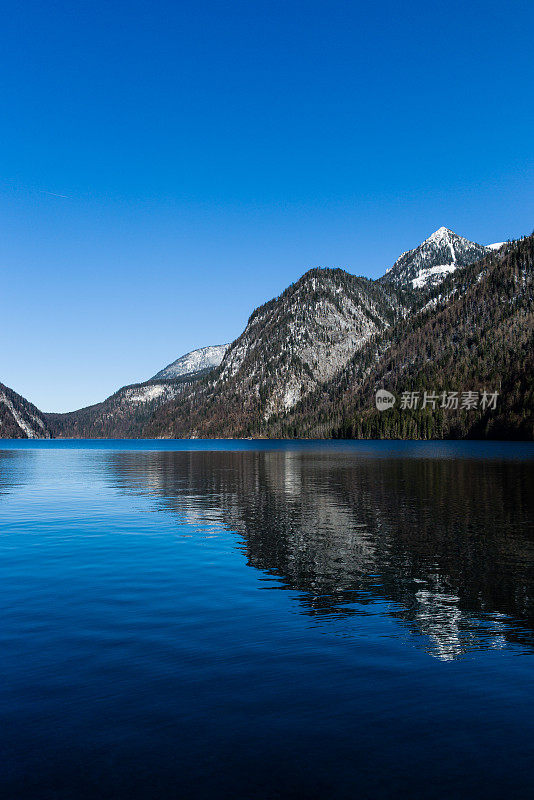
[[266, 620]]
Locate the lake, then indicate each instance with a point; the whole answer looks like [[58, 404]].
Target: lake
[[266, 619]]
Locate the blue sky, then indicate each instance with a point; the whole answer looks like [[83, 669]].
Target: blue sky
[[168, 166]]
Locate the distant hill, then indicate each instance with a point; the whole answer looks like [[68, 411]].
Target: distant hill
[[122, 415], [126, 412]]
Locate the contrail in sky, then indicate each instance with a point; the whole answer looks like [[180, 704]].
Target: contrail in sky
[[44, 191]]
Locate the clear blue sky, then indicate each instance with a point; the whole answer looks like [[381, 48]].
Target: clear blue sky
[[168, 166]]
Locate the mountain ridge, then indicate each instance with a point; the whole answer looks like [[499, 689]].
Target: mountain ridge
[[474, 332], [326, 331]]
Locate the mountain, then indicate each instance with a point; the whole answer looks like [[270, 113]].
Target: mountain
[[450, 315], [126, 412], [305, 336], [291, 345], [122, 415], [473, 333], [432, 260], [195, 361], [19, 419]]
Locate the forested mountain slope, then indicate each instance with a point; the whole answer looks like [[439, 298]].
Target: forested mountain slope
[[475, 333]]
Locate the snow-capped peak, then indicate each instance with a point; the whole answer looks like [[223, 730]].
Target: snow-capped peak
[[429, 263], [440, 235]]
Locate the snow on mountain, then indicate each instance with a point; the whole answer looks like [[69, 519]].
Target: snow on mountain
[[496, 245], [431, 261], [195, 361]]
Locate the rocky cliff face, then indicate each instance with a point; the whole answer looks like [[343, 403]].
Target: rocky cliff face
[[19, 419], [290, 345], [305, 336]]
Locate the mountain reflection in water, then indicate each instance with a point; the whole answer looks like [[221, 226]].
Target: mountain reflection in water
[[444, 544]]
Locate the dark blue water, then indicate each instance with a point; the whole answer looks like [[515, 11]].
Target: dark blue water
[[266, 620]]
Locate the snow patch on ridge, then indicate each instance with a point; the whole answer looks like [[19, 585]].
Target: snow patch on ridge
[[424, 274], [195, 361], [144, 394]]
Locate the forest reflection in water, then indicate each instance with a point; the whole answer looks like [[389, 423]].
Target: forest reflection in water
[[444, 544]]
